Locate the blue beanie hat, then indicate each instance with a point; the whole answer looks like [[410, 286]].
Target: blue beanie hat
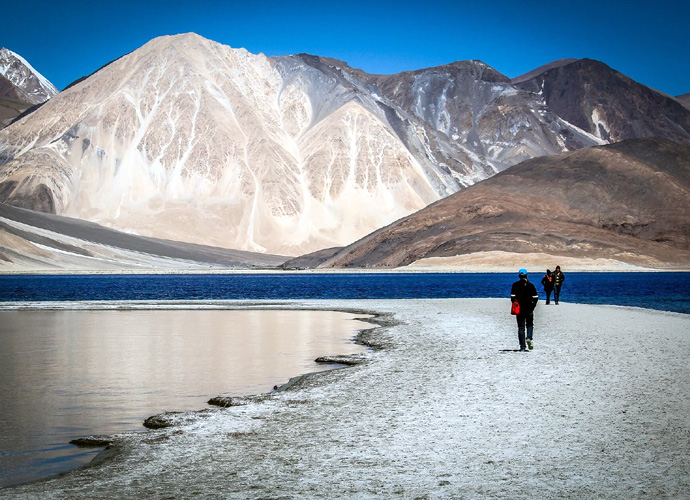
[[522, 272]]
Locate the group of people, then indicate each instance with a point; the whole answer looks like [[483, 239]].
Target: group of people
[[552, 282], [525, 294]]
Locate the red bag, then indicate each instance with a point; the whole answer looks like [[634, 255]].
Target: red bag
[[515, 308]]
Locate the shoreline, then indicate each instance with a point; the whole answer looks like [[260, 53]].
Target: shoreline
[[463, 442], [176, 418], [241, 304], [490, 261], [405, 270]]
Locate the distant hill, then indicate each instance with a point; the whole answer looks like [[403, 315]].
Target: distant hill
[[608, 104], [628, 202], [34, 241], [21, 86]]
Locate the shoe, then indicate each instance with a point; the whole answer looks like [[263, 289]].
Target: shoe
[[522, 349], [529, 344]]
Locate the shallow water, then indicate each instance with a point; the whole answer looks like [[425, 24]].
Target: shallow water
[[71, 373]]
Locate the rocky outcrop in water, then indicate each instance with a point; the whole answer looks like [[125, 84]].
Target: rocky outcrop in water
[[92, 441]]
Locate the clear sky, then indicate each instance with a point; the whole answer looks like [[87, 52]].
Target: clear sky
[[648, 41]]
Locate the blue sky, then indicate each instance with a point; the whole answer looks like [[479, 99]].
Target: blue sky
[[649, 42]]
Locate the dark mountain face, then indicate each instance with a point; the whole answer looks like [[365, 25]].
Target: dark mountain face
[[542, 69], [628, 201], [465, 119], [608, 104], [13, 102], [10, 91], [10, 109], [684, 99]]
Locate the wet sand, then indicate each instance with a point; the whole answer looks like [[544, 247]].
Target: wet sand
[[444, 410]]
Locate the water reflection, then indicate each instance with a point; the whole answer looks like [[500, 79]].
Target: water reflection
[[66, 374]]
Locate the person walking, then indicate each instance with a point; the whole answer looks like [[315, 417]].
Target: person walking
[[558, 279], [525, 294], [547, 281]]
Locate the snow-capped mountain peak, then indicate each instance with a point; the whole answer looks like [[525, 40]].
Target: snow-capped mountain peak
[[22, 75]]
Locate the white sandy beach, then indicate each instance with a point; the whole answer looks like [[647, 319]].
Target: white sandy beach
[[599, 409]]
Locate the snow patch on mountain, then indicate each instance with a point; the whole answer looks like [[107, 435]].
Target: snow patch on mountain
[[600, 126], [22, 75]]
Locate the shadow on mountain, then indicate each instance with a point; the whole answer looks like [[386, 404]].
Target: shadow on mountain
[[35, 240]]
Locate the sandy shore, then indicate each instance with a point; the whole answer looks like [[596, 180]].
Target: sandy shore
[[598, 410], [500, 261]]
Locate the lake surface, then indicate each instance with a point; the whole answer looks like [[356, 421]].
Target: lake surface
[[664, 291], [71, 373]]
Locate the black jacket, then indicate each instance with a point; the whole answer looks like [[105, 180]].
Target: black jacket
[[526, 294], [548, 282], [558, 278]]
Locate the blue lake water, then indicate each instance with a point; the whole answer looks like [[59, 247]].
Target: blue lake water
[[663, 291]]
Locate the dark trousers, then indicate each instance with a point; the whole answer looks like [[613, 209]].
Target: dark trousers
[[548, 291], [522, 321], [556, 293]]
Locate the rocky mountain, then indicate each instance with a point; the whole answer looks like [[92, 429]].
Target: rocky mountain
[[628, 202], [542, 69], [472, 121], [684, 99], [21, 86], [608, 104], [190, 140]]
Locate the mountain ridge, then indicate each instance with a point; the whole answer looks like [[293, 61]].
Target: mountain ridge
[[542, 69], [21, 86], [577, 90], [244, 120], [684, 99], [188, 139]]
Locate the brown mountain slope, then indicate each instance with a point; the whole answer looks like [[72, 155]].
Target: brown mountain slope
[[10, 108], [628, 201], [542, 69], [608, 104]]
